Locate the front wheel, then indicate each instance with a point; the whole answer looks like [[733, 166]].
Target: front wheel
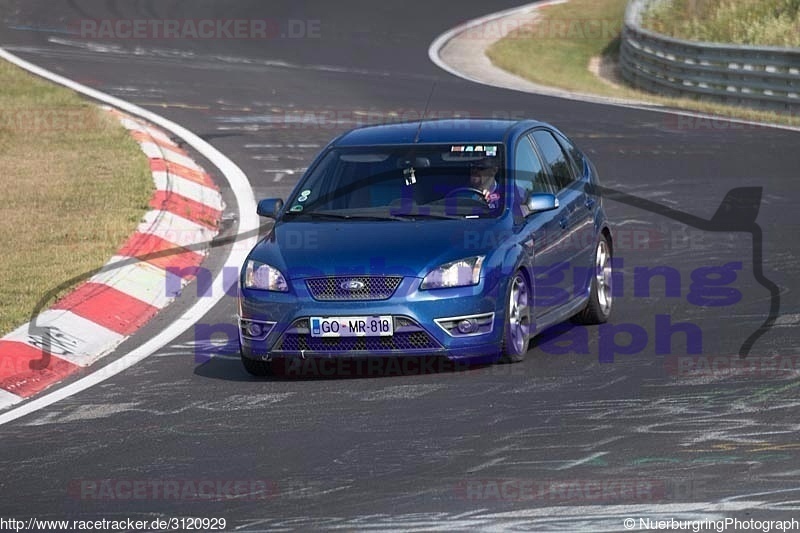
[[518, 321], [598, 308]]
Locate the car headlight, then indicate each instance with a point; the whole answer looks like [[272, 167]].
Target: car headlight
[[461, 273], [265, 277]]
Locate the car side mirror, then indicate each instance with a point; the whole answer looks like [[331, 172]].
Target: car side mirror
[[269, 207], [540, 202]]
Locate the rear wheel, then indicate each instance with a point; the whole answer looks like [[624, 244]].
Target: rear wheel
[[518, 321], [257, 368], [598, 308]]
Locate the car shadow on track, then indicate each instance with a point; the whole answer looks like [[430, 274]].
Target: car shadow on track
[[228, 368]]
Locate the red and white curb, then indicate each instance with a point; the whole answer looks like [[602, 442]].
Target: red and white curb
[[103, 311]]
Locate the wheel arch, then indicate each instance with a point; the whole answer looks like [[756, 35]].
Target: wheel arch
[[606, 232]]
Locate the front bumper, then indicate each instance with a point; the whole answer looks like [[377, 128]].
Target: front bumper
[[421, 321]]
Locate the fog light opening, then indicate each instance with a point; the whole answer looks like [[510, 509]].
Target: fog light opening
[[254, 330], [467, 326]]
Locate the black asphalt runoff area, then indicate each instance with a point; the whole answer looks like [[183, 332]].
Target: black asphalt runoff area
[[565, 441]]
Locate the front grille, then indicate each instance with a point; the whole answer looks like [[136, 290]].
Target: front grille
[[353, 288], [408, 336], [402, 341]]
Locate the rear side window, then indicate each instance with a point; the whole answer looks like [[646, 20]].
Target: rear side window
[[554, 158], [530, 174], [573, 153]]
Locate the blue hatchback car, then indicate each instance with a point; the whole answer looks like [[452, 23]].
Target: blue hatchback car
[[460, 238]]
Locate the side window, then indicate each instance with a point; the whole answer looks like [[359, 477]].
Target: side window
[[554, 157], [530, 175], [573, 153]]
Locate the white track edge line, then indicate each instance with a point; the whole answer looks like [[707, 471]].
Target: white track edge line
[[248, 222]]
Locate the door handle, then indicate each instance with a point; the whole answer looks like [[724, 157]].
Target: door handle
[[590, 202], [563, 222]]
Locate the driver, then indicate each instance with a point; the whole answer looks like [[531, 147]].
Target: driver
[[482, 176]]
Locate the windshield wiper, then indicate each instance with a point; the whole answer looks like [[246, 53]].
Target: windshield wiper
[[348, 216], [438, 216]]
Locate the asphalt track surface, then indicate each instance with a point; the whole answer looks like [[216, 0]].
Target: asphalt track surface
[[398, 452]]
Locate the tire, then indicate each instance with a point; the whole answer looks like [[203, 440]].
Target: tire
[[517, 330], [257, 368], [598, 308]]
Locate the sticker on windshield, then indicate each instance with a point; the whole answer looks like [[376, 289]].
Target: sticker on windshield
[[306, 192], [491, 151], [457, 149], [296, 209], [410, 175]]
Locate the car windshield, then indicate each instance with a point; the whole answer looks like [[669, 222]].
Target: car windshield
[[404, 183]]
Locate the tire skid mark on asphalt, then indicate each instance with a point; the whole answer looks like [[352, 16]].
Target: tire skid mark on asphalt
[[400, 392], [84, 412], [582, 461], [703, 434], [168, 56], [73, 413], [574, 518], [131, 288]]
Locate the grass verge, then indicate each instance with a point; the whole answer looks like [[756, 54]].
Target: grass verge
[[558, 49], [570, 35], [752, 22], [75, 186]]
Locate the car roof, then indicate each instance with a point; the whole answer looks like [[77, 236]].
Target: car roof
[[473, 130]]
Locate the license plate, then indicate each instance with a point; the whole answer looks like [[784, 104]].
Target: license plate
[[352, 326]]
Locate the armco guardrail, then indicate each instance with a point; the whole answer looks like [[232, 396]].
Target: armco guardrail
[[755, 76]]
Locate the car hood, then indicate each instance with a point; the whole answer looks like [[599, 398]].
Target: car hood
[[312, 249]]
